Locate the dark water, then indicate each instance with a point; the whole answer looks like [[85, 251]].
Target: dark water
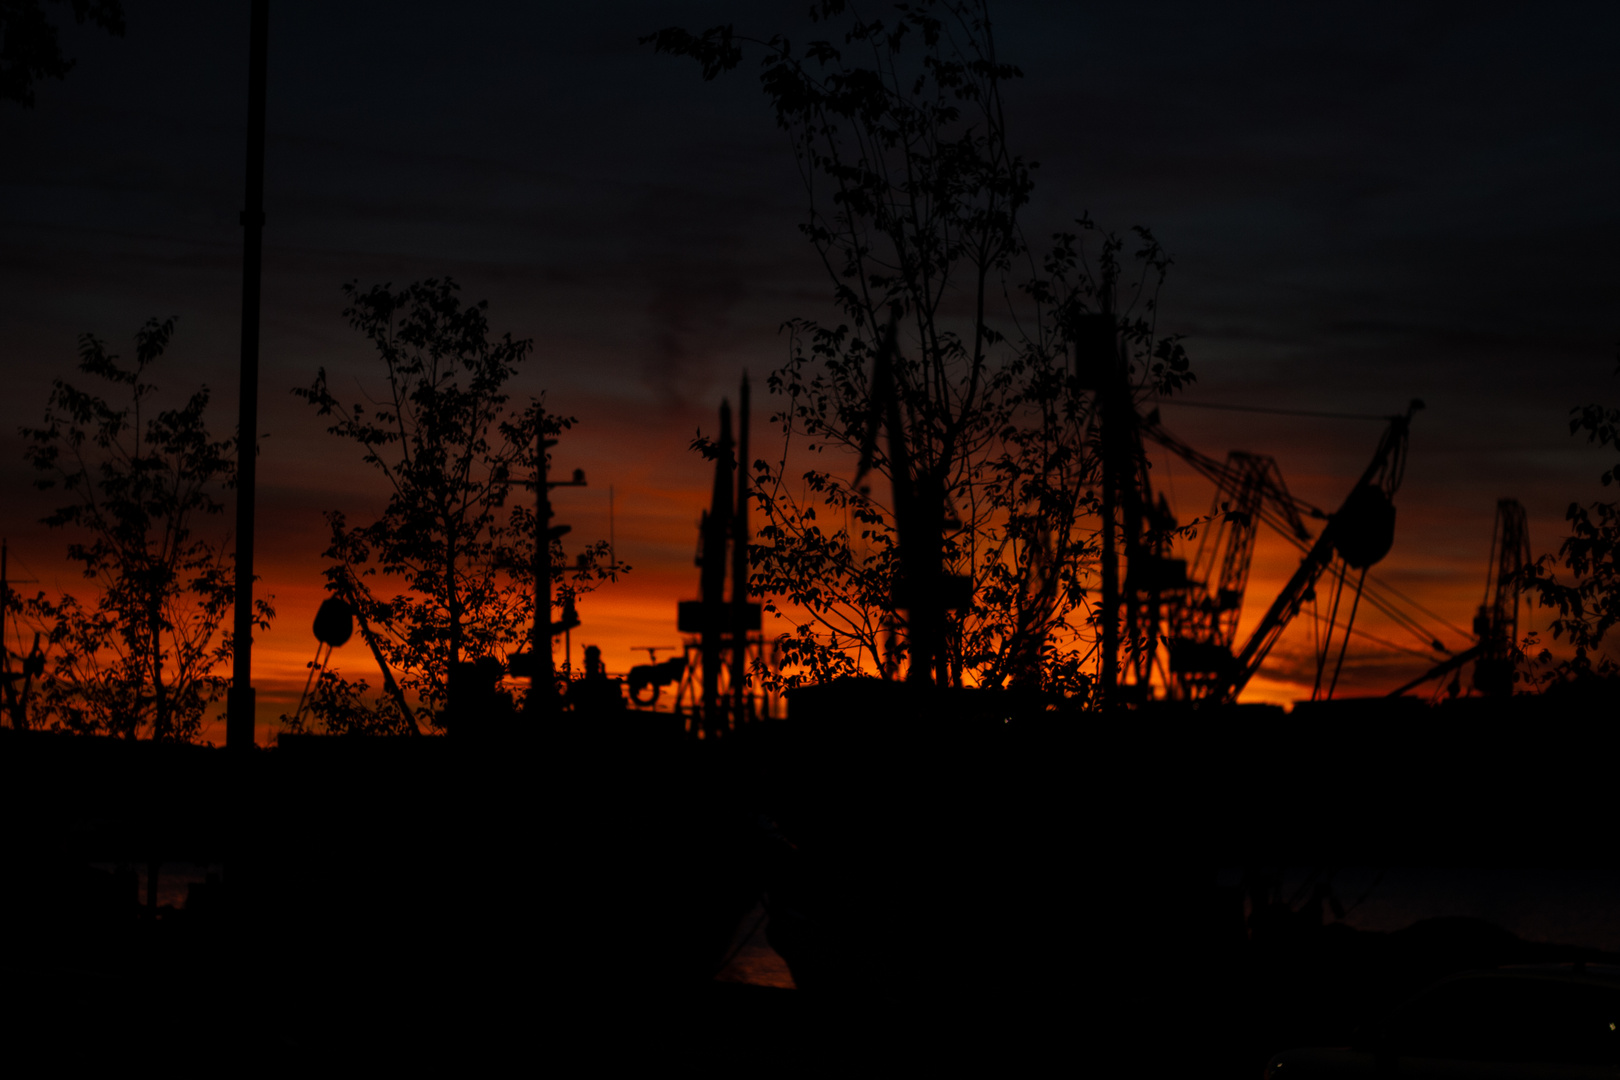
[[1561, 906], [749, 957]]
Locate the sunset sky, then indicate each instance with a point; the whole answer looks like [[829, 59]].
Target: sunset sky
[[1367, 203]]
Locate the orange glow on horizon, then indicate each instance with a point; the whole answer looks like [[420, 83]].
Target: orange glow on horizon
[[658, 499]]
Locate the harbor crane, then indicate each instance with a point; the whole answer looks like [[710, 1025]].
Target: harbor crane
[[1205, 662], [1202, 620], [1496, 626], [722, 633]]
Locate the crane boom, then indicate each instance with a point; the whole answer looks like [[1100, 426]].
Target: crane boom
[[1496, 627], [1203, 622], [1277, 507], [1360, 532]]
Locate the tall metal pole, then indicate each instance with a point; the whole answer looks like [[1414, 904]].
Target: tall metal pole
[[6, 687], [1110, 571], [1108, 394], [739, 569], [541, 704], [240, 703], [720, 520]]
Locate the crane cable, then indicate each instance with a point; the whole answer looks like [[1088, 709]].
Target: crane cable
[[1313, 413], [1345, 644], [1217, 474], [1428, 657]]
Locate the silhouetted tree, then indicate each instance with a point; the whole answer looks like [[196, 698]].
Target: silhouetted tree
[[345, 706], [30, 48], [914, 199], [1589, 605], [455, 537], [144, 655]]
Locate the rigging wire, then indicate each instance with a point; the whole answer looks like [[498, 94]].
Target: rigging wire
[[1345, 644], [1214, 473], [1218, 475], [1426, 657], [1405, 621], [1275, 518], [1447, 623], [1332, 624], [1315, 413], [1400, 618]]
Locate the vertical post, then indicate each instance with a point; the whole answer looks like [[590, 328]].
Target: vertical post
[[713, 579], [240, 703], [1109, 393], [7, 688], [918, 534], [739, 569], [16, 701], [540, 704]]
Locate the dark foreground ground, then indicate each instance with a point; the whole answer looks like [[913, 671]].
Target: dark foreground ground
[[163, 1002], [949, 882]]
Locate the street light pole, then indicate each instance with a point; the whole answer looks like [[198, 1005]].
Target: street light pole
[[541, 704], [240, 703]]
